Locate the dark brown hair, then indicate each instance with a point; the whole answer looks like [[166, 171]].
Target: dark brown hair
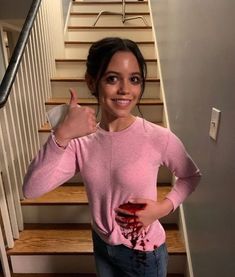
[[102, 51]]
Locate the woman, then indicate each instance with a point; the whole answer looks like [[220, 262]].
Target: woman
[[118, 160]]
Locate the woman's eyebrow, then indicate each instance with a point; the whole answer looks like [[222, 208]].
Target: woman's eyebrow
[[119, 73]]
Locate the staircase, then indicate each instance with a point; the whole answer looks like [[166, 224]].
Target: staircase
[[56, 240]]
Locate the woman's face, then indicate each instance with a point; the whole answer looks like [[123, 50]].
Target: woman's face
[[120, 86]]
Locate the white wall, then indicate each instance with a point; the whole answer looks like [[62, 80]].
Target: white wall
[[196, 42]]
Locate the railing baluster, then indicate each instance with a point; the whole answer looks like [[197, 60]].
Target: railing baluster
[[40, 62], [3, 256], [38, 72], [13, 142], [49, 39], [31, 101], [5, 216], [43, 48], [7, 183], [6, 125], [46, 52], [23, 84], [22, 114]]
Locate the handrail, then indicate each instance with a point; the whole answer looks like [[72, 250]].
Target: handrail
[[17, 55]]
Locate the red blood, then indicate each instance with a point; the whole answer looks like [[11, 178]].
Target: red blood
[[132, 207], [133, 228]]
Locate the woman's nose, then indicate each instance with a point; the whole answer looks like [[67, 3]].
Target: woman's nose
[[124, 87]]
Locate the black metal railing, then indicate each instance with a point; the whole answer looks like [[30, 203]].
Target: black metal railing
[[11, 71]]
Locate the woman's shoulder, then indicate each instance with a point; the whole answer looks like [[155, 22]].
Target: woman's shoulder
[[153, 128]]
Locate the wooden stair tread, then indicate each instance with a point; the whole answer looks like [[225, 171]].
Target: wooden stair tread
[[46, 127], [69, 239], [75, 79], [58, 275], [90, 42], [108, 2], [84, 60], [96, 13], [70, 275], [74, 28], [73, 195], [93, 101]]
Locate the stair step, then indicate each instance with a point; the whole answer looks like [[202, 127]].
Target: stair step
[[79, 49], [84, 60], [108, 2], [93, 101], [61, 86], [151, 108], [107, 19], [52, 239], [46, 127], [78, 42], [93, 28], [114, 6], [96, 13], [74, 194], [60, 79], [71, 275], [143, 33], [77, 68], [69, 204]]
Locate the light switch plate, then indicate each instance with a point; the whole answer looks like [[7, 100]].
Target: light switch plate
[[214, 123]]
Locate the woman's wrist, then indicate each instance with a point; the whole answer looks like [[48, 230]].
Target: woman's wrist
[[167, 206], [61, 141]]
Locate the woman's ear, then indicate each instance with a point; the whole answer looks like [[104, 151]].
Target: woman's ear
[[90, 83]]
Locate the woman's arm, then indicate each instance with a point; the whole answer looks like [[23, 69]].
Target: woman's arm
[[50, 168], [184, 169], [56, 161]]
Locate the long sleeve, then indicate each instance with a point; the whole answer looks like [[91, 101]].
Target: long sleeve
[[182, 166], [50, 168]]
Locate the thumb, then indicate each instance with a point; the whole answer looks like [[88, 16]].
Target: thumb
[[73, 98]]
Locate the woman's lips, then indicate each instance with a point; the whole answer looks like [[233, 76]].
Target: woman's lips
[[122, 102]]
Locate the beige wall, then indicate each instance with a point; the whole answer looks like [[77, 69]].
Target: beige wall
[[196, 42]]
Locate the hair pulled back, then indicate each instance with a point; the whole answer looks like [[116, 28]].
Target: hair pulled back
[[102, 51]]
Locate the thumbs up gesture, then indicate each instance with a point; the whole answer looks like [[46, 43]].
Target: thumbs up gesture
[[78, 122]]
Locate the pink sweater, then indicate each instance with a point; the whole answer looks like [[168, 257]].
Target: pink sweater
[[116, 166]]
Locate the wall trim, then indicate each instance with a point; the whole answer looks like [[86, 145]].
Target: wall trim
[[182, 222]]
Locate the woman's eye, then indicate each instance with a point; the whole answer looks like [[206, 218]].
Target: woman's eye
[[111, 79], [136, 80]]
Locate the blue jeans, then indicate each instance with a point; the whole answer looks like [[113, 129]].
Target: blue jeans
[[121, 261]]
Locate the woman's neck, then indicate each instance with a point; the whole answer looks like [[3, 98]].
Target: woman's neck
[[118, 124]]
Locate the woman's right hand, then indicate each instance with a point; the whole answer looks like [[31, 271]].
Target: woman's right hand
[[78, 122]]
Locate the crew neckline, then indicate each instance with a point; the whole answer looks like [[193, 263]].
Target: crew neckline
[[132, 125]]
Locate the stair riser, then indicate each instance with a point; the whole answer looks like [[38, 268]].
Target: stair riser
[[73, 263], [67, 214], [86, 34], [77, 69], [61, 89], [56, 214], [107, 20], [80, 51], [110, 7]]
